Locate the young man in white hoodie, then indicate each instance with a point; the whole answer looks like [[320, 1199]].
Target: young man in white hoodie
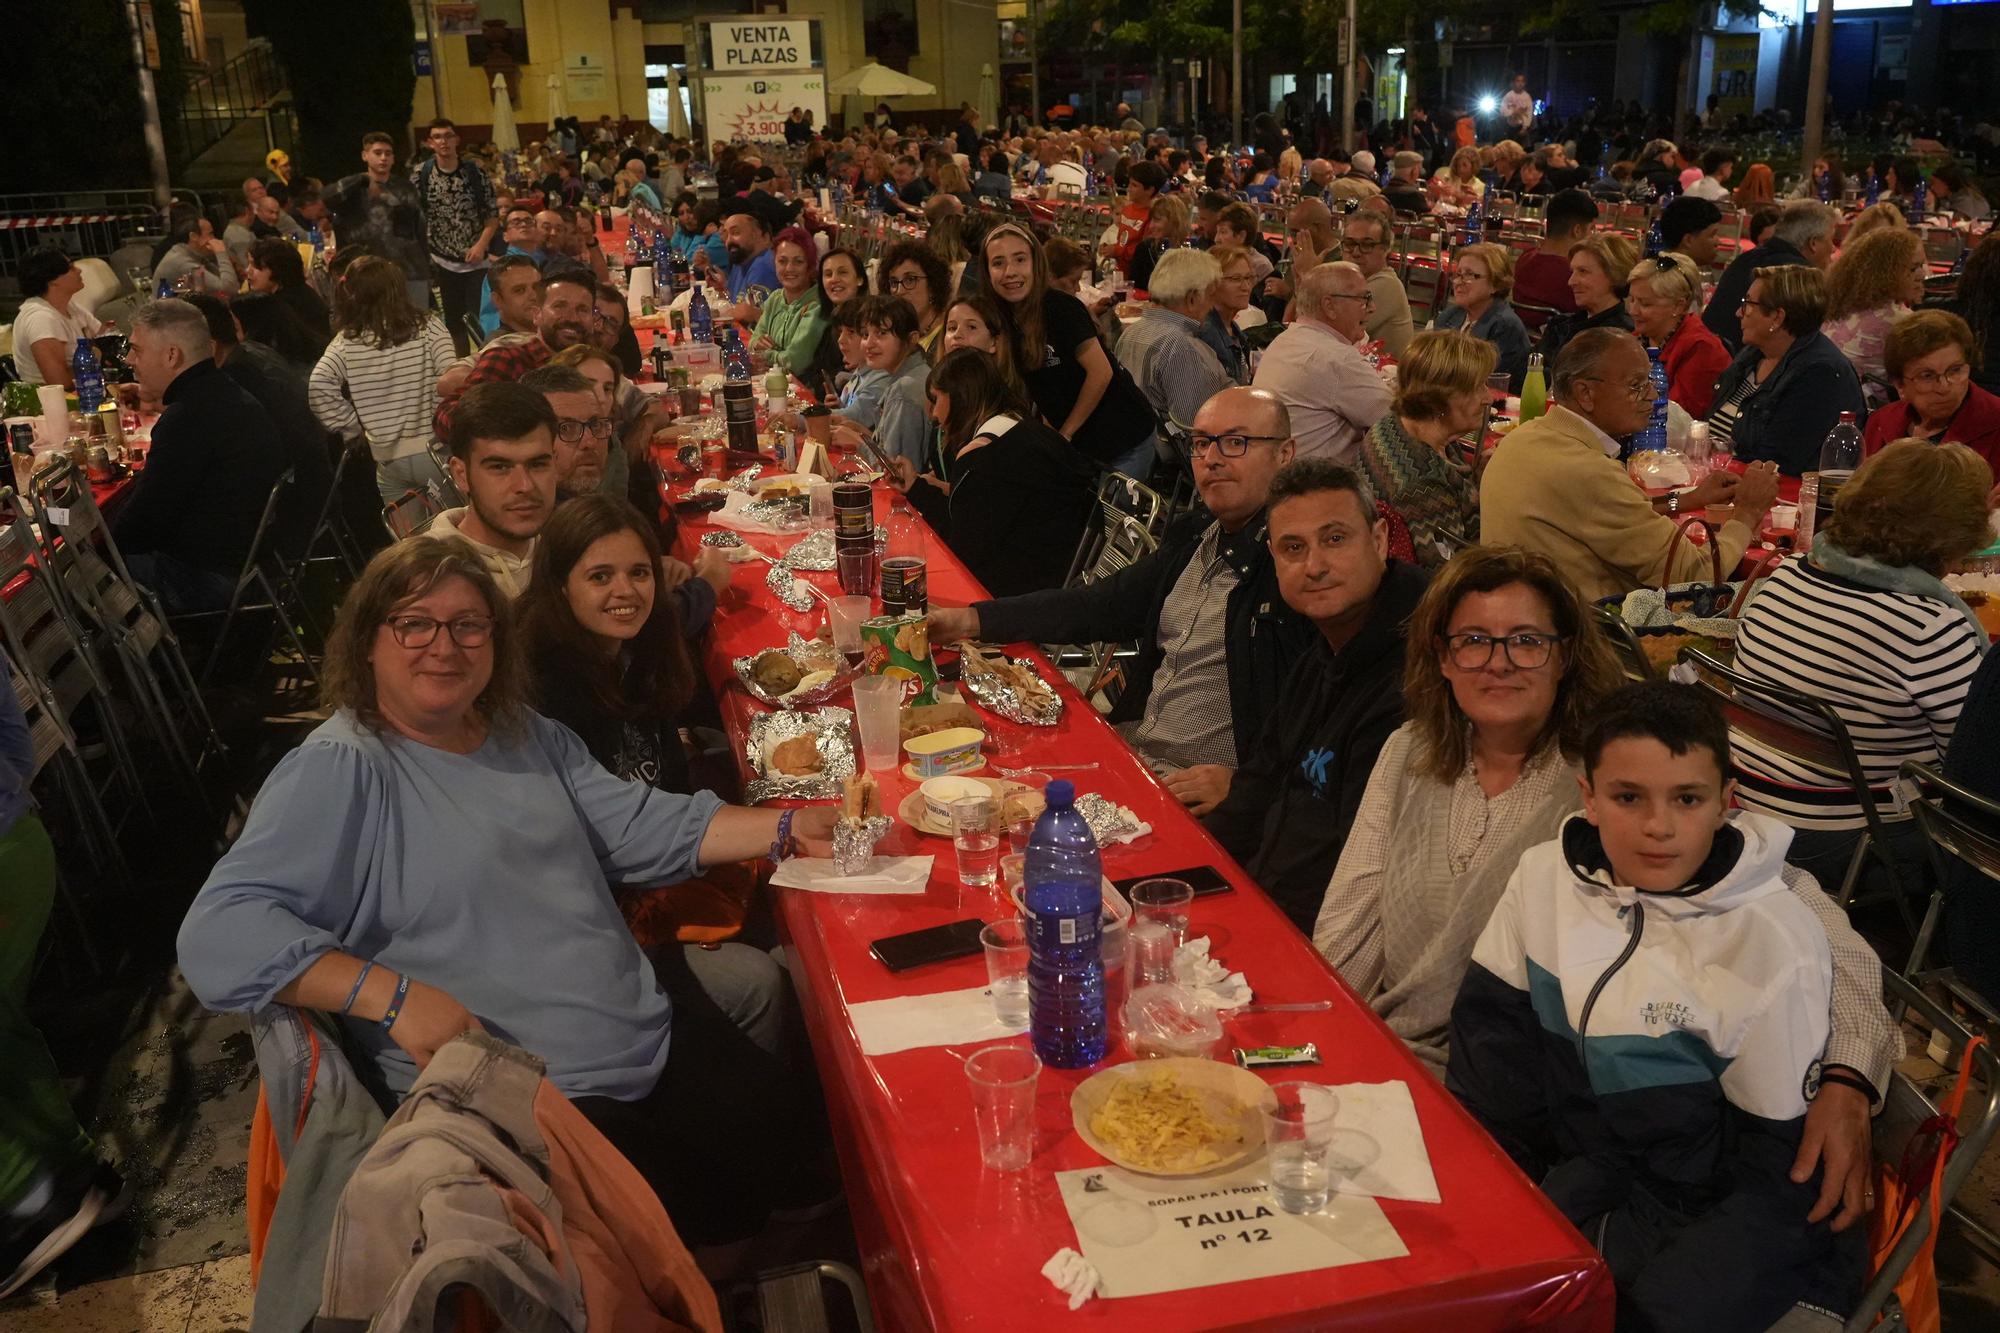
[[1642, 1029]]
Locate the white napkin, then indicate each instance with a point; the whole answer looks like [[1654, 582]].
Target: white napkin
[[1378, 1146], [949, 1018], [1208, 981], [888, 874], [1072, 1275]]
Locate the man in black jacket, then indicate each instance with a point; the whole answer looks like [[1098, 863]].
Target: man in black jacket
[[1296, 791], [187, 527], [1803, 235], [1215, 639]]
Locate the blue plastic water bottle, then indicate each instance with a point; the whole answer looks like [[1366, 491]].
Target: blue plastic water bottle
[[701, 325], [89, 375], [1874, 187], [1473, 232], [318, 240], [663, 253], [1654, 436], [1918, 200], [1656, 240], [1065, 907], [1825, 187]]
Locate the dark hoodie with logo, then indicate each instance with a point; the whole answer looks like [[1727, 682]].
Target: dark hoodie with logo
[[1295, 792]]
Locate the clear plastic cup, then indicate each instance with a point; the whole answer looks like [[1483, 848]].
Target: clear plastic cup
[[1006, 945], [1168, 901], [844, 615], [975, 836], [878, 702], [1002, 1080], [1298, 1130]]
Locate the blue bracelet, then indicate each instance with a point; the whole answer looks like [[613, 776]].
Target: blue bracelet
[[355, 994], [396, 1004], [781, 846]]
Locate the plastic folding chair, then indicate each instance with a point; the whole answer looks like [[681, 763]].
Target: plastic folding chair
[[1959, 825], [1807, 731]]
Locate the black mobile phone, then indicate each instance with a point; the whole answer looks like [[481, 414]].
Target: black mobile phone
[[936, 944], [1205, 880]]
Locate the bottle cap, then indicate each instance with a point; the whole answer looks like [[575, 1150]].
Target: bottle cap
[[1060, 792]]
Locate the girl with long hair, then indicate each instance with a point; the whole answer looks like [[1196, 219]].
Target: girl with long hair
[[974, 320], [273, 266]]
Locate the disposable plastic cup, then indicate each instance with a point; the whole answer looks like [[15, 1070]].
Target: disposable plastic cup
[[1006, 945], [975, 836], [1002, 1079], [845, 614], [877, 702], [1167, 901], [1298, 1130]]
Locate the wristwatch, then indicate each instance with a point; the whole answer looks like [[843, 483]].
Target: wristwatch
[[1673, 503]]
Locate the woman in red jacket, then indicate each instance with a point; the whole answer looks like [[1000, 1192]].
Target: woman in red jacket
[[1663, 296], [1930, 356]]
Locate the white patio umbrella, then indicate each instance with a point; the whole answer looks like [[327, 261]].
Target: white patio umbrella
[[558, 104], [873, 80], [677, 121], [505, 137], [989, 107]]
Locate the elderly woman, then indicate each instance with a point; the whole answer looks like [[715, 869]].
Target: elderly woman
[[1875, 282], [1440, 395], [434, 859], [1232, 298], [1597, 268], [1663, 292], [1866, 624], [1930, 358], [1789, 384], [793, 318], [1481, 277], [1459, 184], [1504, 670]]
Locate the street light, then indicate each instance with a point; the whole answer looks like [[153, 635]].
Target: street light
[[1488, 104]]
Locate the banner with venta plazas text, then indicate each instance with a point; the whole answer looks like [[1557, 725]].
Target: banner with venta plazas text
[[754, 107], [753, 44]]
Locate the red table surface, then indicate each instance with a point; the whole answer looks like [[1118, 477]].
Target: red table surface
[[949, 1244]]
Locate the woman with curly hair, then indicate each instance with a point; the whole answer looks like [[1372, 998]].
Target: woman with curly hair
[[1875, 282]]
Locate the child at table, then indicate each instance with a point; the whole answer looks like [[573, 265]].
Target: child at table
[[1642, 1025]]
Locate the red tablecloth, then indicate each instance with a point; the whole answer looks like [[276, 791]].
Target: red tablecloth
[[948, 1244]]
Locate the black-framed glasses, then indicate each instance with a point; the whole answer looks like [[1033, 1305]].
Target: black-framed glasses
[[569, 430], [422, 631], [1764, 306], [1525, 651], [1229, 446], [903, 284], [1363, 245]]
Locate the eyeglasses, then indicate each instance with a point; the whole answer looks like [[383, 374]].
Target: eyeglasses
[[1764, 306], [1931, 379], [1366, 298], [1229, 446], [1641, 388], [422, 631], [1525, 652], [902, 284], [569, 430], [1245, 276], [1360, 246]]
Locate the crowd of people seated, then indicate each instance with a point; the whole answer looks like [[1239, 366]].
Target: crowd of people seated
[[1366, 656]]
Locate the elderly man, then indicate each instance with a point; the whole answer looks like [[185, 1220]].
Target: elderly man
[[1319, 180], [1555, 485], [187, 527], [1316, 367], [1164, 350], [1216, 641], [1803, 235], [1405, 190], [273, 220], [1349, 185], [1365, 243]]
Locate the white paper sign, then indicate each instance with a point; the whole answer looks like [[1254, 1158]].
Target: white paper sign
[[759, 42], [1146, 1234]]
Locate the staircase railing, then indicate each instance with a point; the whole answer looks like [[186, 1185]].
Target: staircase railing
[[252, 85]]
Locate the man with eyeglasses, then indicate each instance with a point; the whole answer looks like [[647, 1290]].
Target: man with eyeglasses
[[568, 316], [459, 222], [1296, 791], [1316, 367], [582, 430], [503, 460], [1555, 484], [1216, 641], [1365, 244], [1803, 235]]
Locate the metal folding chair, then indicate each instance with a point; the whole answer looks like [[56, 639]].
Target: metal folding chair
[[330, 529], [256, 576], [1624, 644], [410, 513], [1807, 731], [79, 824], [1119, 541], [1959, 825]]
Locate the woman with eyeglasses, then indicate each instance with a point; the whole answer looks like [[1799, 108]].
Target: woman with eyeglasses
[[1789, 384], [1481, 277], [1930, 358], [1663, 292], [433, 861], [914, 273], [1597, 265], [794, 317], [1876, 281]]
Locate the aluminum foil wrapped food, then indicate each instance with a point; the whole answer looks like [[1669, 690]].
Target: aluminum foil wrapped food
[[792, 592], [1011, 689], [813, 551], [781, 512], [1109, 821], [801, 673], [722, 539], [799, 756], [854, 842], [743, 480]]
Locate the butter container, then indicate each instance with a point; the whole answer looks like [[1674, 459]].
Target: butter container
[[953, 750]]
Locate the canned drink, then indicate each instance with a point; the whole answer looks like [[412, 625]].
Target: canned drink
[[904, 586]]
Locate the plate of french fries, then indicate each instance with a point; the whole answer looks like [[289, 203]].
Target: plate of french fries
[[1174, 1117]]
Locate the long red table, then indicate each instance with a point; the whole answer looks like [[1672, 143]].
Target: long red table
[[947, 1243]]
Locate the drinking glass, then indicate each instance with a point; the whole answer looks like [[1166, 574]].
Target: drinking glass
[[975, 835], [845, 615], [1167, 901], [1153, 948], [878, 702], [1002, 1079], [1006, 945], [1298, 1129], [820, 499]]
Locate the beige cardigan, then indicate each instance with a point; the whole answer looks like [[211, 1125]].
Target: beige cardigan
[[1551, 488]]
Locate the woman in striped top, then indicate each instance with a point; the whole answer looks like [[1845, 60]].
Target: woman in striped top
[[377, 380], [1866, 624]]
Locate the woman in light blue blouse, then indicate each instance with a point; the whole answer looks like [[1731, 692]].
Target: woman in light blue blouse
[[434, 859], [1481, 277]]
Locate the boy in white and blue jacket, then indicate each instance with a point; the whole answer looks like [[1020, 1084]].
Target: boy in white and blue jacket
[[1642, 1025]]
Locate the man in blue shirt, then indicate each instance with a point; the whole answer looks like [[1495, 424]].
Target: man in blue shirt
[[753, 274]]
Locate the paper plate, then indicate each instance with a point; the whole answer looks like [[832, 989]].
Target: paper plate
[[913, 812], [1229, 1094]]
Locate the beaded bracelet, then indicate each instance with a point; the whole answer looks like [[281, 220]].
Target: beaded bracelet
[[355, 994], [781, 846], [395, 1009]]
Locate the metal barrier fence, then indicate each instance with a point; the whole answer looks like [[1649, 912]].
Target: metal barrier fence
[[80, 223]]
